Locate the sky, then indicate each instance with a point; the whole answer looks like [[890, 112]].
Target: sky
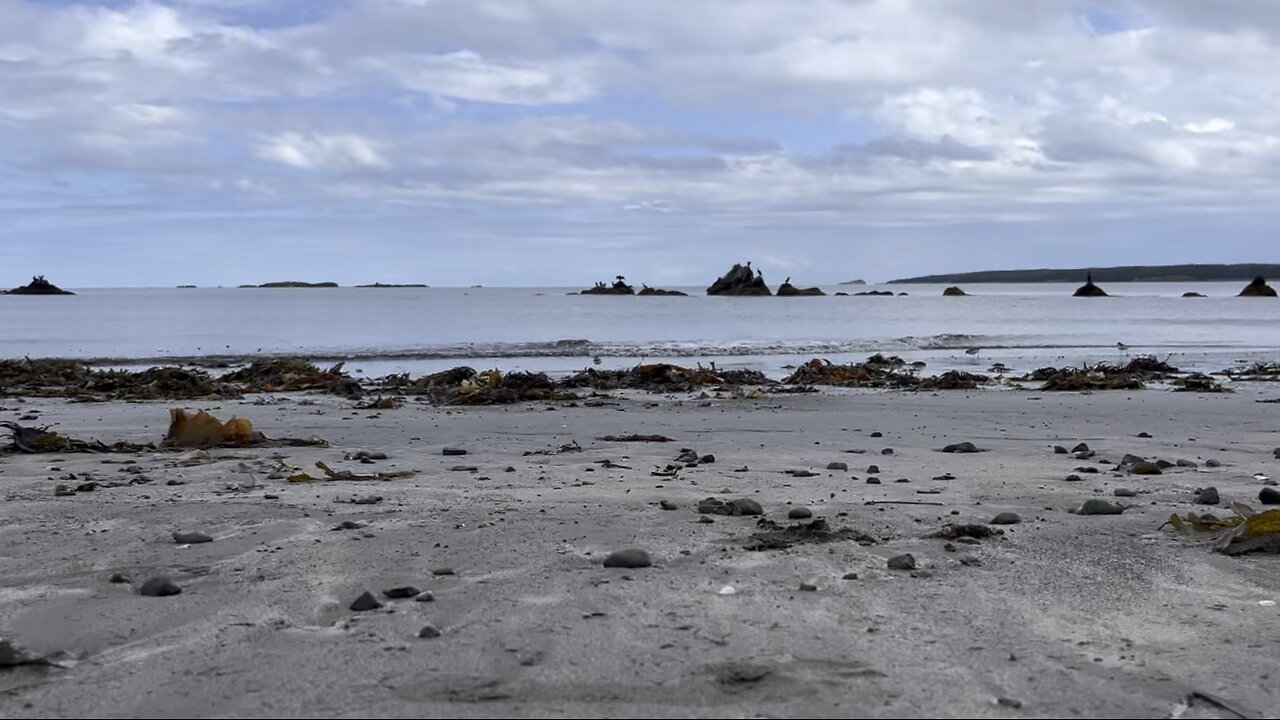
[[560, 142]]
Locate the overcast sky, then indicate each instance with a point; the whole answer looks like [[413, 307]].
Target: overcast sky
[[563, 141]]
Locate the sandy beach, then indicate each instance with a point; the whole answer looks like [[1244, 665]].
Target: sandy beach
[[1062, 615]]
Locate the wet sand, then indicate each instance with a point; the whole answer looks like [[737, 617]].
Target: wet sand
[[1062, 616]]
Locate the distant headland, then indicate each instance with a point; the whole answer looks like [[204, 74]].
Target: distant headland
[[1126, 273]]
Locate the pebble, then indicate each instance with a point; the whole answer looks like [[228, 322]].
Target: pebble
[[1087, 469], [1059, 450], [1162, 464], [629, 558], [849, 576], [887, 451], [442, 571], [191, 538], [454, 451], [400, 593], [877, 434], [1277, 453], [1269, 496], [510, 468], [906, 561], [1095, 506], [1187, 464], [425, 596], [366, 601], [803, 473], [668, 505], [12, 655], [1074, 478], [1131, 459], [1211, 462], [63, 491], [873, 469], [964, 447], [1207, 496], [429, 631], [464, 468], [159, 586], [1146, 468], [800, 513], [348, 525], [808, 587], [1125, 492], [837, 465], [873, 480], [118, 578], [1006, 518], [1144, 435], [1009, 702], [707, 459], [1082, 447], [1083, 455], [746, 506]]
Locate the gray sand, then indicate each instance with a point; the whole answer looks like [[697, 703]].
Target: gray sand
[[1068, 615]]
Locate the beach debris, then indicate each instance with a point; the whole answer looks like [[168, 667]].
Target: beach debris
[[868, 374], [159, 586], [203, 430], [465, 386], [292, 375], [663, 377], [770, 535], [79, 382], [43, 440], [380, 403], [1242, 532], [635, 438], [1259, 371], [976, 531], [629, 558], [1199, 382], [954, 380], [570, 447], [299, 476]]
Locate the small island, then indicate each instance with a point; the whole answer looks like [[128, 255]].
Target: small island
[[740, 281], [954, 291], [39, 286], [293, 284], [645, 290], [1258, 288], [786, 289], [1088, 289], [394, 285], [619, 287]]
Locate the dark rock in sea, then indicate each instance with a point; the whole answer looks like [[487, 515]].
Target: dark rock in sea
[[964, 447], [799, 513], [954, 291], [629, 558], [1006, 518], [1192, 294], [876, 292], [394, 285], [159, 586], [906, 561], [1089, 289], [837, 465], [365, 602], [1269, 496], [429, 631], [39, 286], [1258, 288], [400, 593], [1208, 496], [1094, 506], [646, 290], [619, 287], [454, 451], [740, 281], [191, 538], [787, 289]]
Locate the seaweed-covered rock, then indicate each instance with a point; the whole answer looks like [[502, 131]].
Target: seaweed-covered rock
[[663, 377], [292, 375], [1258, 288], [1089, 289], [740, 281], [39, 286], [954, 291], [786, 289], [824, 372], [954, 380]]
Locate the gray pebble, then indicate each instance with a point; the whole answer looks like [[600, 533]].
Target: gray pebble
[[118, 578], [1187, 463], [1269, 496], [1125, 492], [873, 469], [1207, 496], [872, 480], [443, 571], [400, 593], [454, 451], [837, 465], [629, 558], [425, 596], [808, 587], [159, 586], [800, 513], [429, 631], [366, 601], [1006, 518], [906, 561], [1211, 462], [1094, 506], [668, 505], [1059, 450], [191, 538], [964, 447]]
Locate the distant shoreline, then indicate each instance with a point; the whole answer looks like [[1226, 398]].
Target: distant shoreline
[[1241, 272]]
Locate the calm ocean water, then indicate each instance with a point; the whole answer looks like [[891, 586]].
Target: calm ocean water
[[424, 329]]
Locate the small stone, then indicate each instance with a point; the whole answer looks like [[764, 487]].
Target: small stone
[[454, 451], [12, 655], [745, 506], [903, 480], [1009, 702], [1082, 447], [63, 491], [365, 602], [668, 505], [849, 576], [906, 561], [1187, 464], [800, 513], [964, 447], [1094, 506], [837, 465], [1006, 518], [118, 578], [400, 593], [348, 525], [1211, 462], [1131, 459], [970, 560], [1087, 469], [1125, 492], [1276, 452], [1162, 464], [1059, 450], [629, 558], [705, 520], [191, 538], [1269, 496], [803, 473], [1074, 478], [464, 468], [429, 631], [159, 586], [887, 451], [873, 469], [1207, 496], [877, 434], [1144, 435], [1146, 468], [706, 459], [425, 596], [873, 480], [510, 468], [808, 587], [443, 571]]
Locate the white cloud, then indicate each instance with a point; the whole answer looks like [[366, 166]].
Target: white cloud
[[313, 151]]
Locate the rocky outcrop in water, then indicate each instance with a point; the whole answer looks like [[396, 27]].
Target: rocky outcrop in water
[[1192, 294], [646, 290], [1088, 289], [954, 291], [619, 287], [39, 286], [740, 281], [1258, 288], [295, 284], [787, 289]]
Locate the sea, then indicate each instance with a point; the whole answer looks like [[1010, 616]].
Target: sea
[[378, 331]]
